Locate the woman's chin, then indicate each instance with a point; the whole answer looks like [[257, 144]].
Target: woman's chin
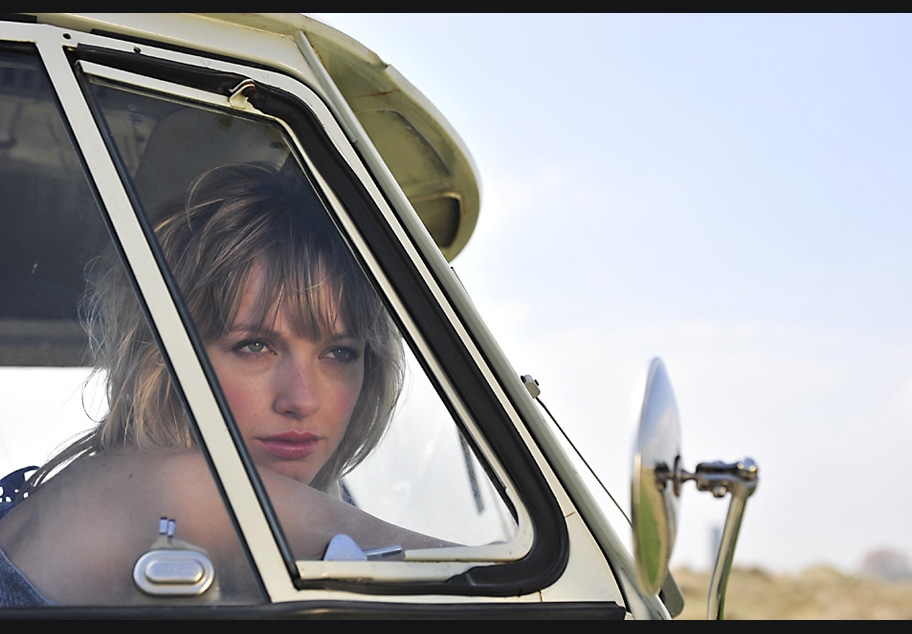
[[294, 471]]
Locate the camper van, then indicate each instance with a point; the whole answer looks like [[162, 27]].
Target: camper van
[[239, 377]]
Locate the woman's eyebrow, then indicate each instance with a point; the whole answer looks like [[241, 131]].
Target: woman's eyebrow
[[260, 330], [338, 336], [251, 328]]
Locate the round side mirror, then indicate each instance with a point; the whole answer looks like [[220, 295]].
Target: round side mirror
[[655, 494]]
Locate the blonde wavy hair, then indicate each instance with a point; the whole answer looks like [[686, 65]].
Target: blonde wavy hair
[[234, 218]]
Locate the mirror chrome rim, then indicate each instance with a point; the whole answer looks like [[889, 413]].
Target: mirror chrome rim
[[654, 491]]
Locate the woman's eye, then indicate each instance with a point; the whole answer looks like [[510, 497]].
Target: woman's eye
[[252, 347], [344, 354]]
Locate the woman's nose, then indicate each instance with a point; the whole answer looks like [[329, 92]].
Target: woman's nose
[[297, 392]]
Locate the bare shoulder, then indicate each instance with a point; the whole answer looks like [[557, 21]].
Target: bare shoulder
[[78, 536]]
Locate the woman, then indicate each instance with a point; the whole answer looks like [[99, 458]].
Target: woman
[[305, 354]]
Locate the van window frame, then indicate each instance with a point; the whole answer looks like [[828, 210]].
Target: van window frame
[[420, 296]]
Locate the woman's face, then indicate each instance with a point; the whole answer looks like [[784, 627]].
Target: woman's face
[[292, 397]]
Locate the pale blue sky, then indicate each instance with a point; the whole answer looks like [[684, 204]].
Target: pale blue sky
[[731, 193]]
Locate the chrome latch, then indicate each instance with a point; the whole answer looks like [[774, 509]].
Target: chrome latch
[[173, 567]]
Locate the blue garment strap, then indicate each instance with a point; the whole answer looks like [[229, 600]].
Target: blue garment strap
[[10, 487]]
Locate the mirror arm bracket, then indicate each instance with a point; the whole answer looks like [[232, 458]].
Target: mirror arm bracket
[[720, 478]]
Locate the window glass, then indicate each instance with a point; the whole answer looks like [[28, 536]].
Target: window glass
[[347, 431], [424, 475], [88, 521]]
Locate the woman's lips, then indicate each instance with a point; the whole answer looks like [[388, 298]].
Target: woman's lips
[[291, 445]]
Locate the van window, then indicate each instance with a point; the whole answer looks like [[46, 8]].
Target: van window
[[341, 418]]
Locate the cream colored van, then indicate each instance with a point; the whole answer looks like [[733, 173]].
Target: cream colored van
[[238, 378]]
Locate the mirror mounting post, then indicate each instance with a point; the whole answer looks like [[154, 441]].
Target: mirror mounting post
[[719, 478]]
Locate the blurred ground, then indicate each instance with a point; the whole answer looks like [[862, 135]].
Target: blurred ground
[[815, 593]]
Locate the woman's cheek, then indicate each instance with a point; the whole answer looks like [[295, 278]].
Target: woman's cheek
[[242, 392]]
